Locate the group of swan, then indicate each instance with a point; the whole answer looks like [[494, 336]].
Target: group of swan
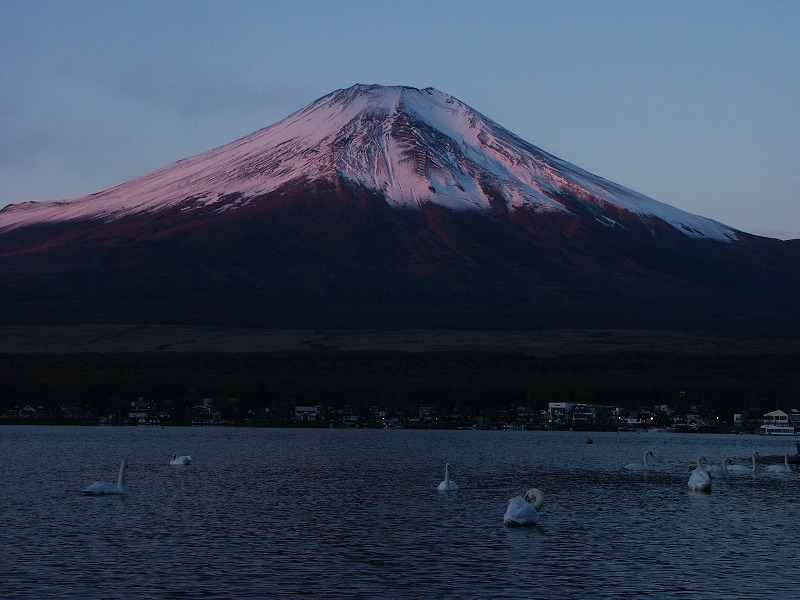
[[698, 482], [701, 477], [784, 468], [104, 488], [522, 510]]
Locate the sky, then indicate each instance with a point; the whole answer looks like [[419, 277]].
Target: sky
[[693, 103]]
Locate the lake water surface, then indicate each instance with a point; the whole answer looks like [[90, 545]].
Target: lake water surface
[[355, 514]]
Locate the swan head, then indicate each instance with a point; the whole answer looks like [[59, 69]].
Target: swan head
[[536, 496]]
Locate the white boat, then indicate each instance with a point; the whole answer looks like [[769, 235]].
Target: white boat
[[778, 430]]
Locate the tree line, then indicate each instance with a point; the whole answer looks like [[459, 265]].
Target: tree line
[[103, 383]]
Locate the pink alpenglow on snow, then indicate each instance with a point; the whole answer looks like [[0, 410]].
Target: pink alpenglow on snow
[[411, 146]]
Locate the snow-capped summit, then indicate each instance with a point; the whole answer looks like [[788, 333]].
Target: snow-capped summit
[[410, 146]]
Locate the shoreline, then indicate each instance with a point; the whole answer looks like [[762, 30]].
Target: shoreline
[[122, 338]]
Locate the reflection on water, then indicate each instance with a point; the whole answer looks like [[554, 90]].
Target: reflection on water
[[355, 513]]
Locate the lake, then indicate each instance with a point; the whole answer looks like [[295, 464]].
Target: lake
[[355, 514]]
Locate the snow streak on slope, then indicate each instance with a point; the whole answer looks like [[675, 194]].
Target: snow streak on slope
[[412, 146]]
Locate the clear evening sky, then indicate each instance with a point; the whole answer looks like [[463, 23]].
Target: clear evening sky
[[694, 103]]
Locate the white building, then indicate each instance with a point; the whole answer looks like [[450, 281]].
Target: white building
[[307, 413], [776, 417], [559, 411]]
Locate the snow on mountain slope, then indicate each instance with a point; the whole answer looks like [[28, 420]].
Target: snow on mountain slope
[[411, 146]]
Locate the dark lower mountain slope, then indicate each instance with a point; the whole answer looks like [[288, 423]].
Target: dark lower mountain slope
[[328, 255]]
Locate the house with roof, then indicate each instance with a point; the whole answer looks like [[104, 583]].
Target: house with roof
[[776, 417]]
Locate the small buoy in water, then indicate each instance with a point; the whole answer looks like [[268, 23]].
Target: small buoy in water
[[588, 440]]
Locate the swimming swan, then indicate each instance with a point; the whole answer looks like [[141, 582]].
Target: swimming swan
[[181, 460], [742, 468], [784, 468], [447, 485], [700, 480], [100, 488], [719, 472], [640, 466], [524, 510]]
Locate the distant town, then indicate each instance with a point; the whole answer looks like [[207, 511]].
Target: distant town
[[393, 390], [557, 416]]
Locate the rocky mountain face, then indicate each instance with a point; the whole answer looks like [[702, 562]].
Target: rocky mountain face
[[387, 207]]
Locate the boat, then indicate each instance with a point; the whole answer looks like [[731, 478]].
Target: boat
[[778, 430]]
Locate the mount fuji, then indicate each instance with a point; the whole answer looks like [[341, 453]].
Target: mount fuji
[[380, 206]]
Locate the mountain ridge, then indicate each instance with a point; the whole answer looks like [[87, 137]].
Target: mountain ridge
[[406, 210]]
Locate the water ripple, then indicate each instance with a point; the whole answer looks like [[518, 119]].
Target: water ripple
[[356, 514]]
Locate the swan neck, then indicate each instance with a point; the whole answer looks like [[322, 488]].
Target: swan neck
[[121, 478], [447, 475]]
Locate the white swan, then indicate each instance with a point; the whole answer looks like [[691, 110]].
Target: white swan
[[181, 460], [640, 466], [448, 485], [700, 480], [524, 510], [744, 469], [100, 488], [784, 468], [719, 471]]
